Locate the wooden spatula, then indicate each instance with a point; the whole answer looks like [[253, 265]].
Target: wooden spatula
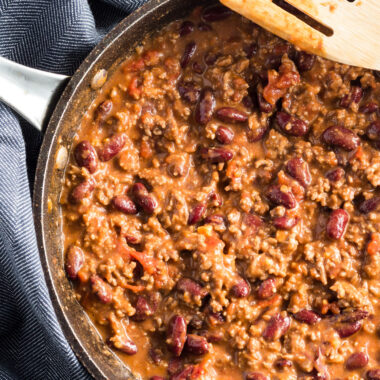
[[355, 26]]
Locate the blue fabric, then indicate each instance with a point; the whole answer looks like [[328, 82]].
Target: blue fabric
[[53, 35]]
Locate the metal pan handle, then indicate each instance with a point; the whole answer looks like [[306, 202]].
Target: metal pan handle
[[31, 93]]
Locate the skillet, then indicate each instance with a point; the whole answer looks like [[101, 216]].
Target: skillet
[[44, 89]]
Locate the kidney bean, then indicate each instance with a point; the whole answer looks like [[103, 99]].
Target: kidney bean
[[111, 148], [205, 107], [176, 334], [291, 125], [355, 95], [204, 27], [175, 365], [337, 223], [304, 61], [353, 316], [224, 135], [74, 262], [196, 344], [189, 92], [369, 107], [241, 289], [215, 219], [144, 200], [216, 155], [82, 190], [214, 199], [196, 214], [104, 109], [347, 329], [285, 222], [276, 328], [373, 131], [341, 137], [267, 289], [299, 170], [336, 174], [189, 52], [198, 68], [210, 58], [255, 376], [215, 13], [250, 49], [85, 156], [186, 28], [231, 115], [282, 363], [143, 309], [185, 374], [369, 205], [307, 316], [196, 322], [156, 378], [263, 104], [373, 374], [156, 355], [192, 287], [248, 102], [213, 336], [125, 344], [280, 197], [101, 289], [257, 134], [357, 360], [124, 204]]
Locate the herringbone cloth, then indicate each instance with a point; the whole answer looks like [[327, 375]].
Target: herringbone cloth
[[53, 35]]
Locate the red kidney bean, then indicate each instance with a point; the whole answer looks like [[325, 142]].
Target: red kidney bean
[[156, 378], [257, 134], [241, 289], [215, 219], [143, 309], [250, 49], [263, 104], [189, 92], [255, 376], [341, 137], [156, 355], [214, 199], [224, 135], [85, 156], [196, 322], [373, 131], [369, 107], [104, 109], [215, 13], [186, 28], [354, 96], [285, 222], [196, 344], [185, 374], [197, 214], [282, 363], [336, 174], [357, 360], [175, 365], [267, 289], [189, 52], [211, 57], [144, 200], [125, 344], [204, 27], [353, 316], [248, 102], [307, 316], [369, 205], [101, 289], [74, 262], [216, 155], [124, 204], [337, 223], [373, 374], [299, 169], [347, 329], [205, 107], [276, 328], [111, 148], [198, 68], [82, 190], [192, 287], [282, 198], [304, 61], [231, 115], [291, 125], [176, 334]]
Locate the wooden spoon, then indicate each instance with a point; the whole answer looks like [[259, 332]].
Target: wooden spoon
[[354, 25]]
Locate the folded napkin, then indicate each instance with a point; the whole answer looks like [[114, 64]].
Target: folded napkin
[[52, 35]]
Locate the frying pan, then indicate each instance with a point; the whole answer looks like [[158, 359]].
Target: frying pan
[[34, 95]]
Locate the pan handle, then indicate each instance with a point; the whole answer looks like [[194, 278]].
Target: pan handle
[[31, 93]]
